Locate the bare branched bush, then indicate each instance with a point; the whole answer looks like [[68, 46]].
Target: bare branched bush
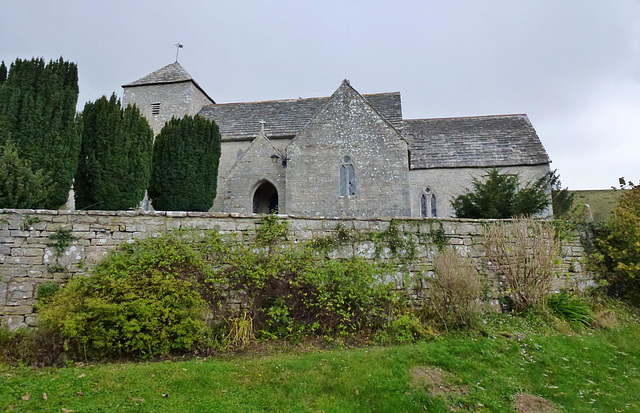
[[525, 252], [456, 289]]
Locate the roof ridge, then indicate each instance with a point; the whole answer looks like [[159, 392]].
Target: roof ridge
[[471, 117], [294, 99]]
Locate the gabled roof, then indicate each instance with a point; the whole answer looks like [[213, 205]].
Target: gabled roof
[[479, 141], [172, 73], [285, 118]]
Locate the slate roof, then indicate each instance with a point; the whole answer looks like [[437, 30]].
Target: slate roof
[[172, 73], [285, 118], [479, 141]]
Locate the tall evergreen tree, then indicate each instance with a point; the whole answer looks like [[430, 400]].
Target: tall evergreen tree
[[3, 72], [184, 170], [38, 113], [115, 157]]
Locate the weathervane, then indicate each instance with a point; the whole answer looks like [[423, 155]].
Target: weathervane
[[178, 47]]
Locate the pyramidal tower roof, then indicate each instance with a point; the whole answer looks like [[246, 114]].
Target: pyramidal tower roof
[[172, 73]]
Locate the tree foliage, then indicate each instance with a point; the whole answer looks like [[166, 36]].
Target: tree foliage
[[184, 170], [38, 113], [3, 72], [618, 247], [20, 187], [114, 166], [561, 198], [501, 196]]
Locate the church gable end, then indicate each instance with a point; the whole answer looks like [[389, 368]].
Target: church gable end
[[348, 161], [260, 164]]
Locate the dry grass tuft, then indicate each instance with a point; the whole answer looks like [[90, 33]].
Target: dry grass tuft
[[526, 403], [435, 381]]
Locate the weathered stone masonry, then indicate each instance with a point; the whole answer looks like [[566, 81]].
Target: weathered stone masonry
[[28, 254]]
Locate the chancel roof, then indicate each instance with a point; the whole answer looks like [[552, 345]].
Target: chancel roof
[[479, 141], [285, 118]]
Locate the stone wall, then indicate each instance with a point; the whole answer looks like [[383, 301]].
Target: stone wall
[[28, 241]]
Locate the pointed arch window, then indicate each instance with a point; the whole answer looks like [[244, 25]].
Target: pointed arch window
[[347, 177], [428, 204]]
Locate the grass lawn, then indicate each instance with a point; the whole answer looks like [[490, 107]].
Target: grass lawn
[[601, 201], [590, 371]]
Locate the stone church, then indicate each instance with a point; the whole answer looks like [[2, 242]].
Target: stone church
[[345, 155]]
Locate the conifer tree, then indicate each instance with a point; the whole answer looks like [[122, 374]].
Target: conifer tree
[[114, 165], [502, 196], [184, 170], [3, 72], [38, 113], [20, 187]]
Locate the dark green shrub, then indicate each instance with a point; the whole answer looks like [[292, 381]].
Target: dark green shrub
[[572, 309], [502, 196], [143, 301]]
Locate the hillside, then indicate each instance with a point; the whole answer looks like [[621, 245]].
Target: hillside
[[601, 201]]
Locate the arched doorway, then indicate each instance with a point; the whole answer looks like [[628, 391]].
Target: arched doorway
[[265, 199]]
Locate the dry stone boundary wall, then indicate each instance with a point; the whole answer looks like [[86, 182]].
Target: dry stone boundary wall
[[28, 254]]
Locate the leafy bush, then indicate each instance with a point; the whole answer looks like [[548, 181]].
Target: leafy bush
[[293, 290], [290, 291], [572, 309], [143, 301], [524, 254], [456, 290], [617, 256], [406, 328], [502, 196]]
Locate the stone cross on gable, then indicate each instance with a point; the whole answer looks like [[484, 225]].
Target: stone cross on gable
[[262, 122]]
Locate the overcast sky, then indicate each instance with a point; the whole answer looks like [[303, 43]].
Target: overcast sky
[[572, 66]]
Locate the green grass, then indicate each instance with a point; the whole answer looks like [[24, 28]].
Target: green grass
[[601, 201], [590, 371]]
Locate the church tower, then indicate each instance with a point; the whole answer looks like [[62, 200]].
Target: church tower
[[166, 93]]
